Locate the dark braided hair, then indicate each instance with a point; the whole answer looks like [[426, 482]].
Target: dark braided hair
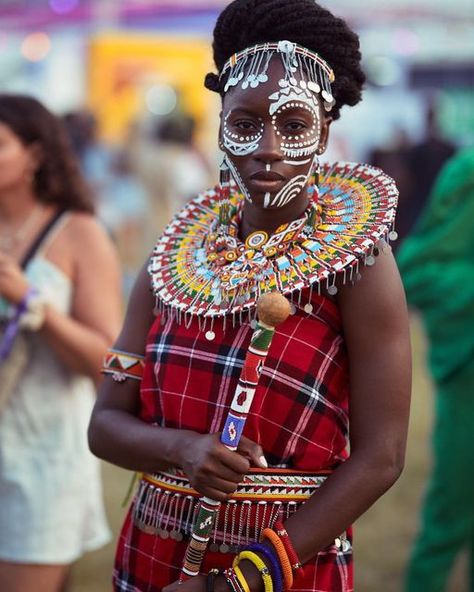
[[247, 22]]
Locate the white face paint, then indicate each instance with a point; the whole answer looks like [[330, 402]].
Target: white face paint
[[301, 144], [241, 144], [287, 193], [298, 146], [238, 179]]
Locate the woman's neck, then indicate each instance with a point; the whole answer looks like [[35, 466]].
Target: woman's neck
[[16, 204]]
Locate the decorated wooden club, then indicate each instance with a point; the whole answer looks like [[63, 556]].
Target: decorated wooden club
[[272, 309]]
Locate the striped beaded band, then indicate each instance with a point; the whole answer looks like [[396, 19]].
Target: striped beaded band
[[271, 484], [122, 365]]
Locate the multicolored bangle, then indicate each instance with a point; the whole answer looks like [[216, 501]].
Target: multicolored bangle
[[259, 564], [281, 531], [122, 365], [279, 547], [271, 560]]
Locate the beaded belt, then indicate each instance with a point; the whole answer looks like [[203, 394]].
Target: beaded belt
[[166, 505]]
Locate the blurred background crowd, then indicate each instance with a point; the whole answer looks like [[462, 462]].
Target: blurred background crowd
[[126, 77]]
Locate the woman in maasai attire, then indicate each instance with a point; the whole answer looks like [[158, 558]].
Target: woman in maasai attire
[[437, 269], [338, 369]]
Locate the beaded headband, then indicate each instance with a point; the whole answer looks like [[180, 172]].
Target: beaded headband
[[249, 67]]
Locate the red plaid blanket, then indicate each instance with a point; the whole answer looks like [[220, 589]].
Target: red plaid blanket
[[299, 416]]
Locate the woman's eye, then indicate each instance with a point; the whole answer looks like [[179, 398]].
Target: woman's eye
[[295, 126], [245, 125]]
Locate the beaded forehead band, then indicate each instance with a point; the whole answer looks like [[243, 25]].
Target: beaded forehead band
[[249, 68]]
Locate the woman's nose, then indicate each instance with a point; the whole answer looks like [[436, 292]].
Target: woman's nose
[[269, 149]]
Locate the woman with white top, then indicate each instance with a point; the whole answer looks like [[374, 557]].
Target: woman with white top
[[59, 311]]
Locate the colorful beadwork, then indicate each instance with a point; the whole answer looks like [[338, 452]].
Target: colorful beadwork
[[196, 269], [246, 386], [122, 365], [230, 437]]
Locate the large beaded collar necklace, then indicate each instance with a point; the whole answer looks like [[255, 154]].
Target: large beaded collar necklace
[[200, 268]]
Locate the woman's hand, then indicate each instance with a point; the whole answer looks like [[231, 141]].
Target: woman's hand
[[212, 469], [13, 283], [198, 584]]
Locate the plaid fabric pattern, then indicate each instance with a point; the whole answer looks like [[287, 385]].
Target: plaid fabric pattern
[[299, 416]]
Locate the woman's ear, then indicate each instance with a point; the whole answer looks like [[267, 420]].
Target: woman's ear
[[324, 138]]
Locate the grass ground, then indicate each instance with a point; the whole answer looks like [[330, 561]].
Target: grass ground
[[383, 536]]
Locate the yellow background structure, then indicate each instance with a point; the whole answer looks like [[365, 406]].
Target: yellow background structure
[[123, 66]]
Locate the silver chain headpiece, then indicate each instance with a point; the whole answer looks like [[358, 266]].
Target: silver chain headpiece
[[249, 69]]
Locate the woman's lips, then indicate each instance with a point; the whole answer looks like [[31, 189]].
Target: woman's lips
[[267, 176], [266, 181]]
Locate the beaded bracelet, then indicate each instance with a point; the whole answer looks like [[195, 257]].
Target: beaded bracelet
[[259, 564], [272, 559], [281, 531], [282, 556]]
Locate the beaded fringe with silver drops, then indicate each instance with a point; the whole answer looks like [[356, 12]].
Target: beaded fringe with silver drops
[[239, 523], [172, 515], [350, 274]]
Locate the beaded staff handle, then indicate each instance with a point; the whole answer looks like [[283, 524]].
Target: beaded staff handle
[[272, 309]]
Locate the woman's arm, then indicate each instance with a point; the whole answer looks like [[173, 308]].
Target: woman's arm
[[84, 253], [376, 332], [81, 338], [118, 436]]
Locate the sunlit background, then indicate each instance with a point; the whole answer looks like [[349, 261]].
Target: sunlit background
[[120, 70]]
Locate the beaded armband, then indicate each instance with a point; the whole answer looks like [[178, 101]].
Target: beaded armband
[[122, 365]]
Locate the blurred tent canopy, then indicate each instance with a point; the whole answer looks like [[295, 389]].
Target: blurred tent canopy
[[31, 14]]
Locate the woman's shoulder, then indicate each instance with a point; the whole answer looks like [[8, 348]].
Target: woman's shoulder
[[81, 238]]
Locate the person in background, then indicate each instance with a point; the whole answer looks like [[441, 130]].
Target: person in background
[[171, 169], [59, 300], [424, 160], [437, 267]]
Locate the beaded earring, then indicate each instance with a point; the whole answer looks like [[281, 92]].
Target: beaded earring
[[313, 190], [224, 193]]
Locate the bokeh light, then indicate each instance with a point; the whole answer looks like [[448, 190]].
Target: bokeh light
[[36, 46], [3, 41], [63, 6], [406, 42], [383, 70], [161, 99]]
